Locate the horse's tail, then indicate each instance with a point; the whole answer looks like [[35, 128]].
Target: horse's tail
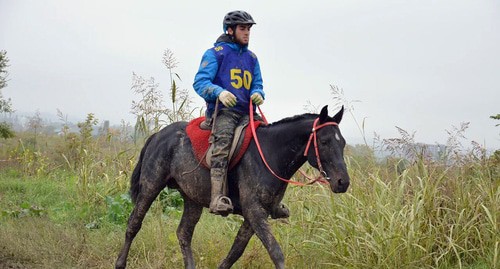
[[135, 184]]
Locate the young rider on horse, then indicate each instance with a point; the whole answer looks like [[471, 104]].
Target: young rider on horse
[[228, 77]]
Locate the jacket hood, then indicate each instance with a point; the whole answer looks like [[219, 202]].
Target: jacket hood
[[225, 38]]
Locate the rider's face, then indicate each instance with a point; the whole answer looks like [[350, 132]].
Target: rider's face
[[242, 34]]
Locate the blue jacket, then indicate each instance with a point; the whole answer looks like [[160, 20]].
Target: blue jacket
[[228, 66]]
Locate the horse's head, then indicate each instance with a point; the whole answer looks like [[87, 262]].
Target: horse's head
[[326, 150]]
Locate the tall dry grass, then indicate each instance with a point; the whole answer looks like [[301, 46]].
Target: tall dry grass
[[431, 215], [427, 217]]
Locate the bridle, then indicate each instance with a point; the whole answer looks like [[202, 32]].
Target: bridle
[[313, 137], [323, 177]]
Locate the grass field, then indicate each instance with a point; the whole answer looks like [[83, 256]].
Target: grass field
[[65, 205]]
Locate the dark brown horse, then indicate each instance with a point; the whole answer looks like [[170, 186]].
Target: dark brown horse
[[167, 160]]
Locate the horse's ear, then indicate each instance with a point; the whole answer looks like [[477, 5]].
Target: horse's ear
[[338, 117], [323, 115]]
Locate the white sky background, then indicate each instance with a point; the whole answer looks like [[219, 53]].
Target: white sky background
[[421, 65]]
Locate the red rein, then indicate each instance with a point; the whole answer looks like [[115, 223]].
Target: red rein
[[313, 137]]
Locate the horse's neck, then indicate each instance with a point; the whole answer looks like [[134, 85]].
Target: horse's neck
[[285, 144]]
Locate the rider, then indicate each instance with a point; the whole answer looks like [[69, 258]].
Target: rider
[[229, 77]]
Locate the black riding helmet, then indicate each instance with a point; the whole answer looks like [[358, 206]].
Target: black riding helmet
[[236, 17]]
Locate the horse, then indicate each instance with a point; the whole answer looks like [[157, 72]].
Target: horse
[[167, 160]]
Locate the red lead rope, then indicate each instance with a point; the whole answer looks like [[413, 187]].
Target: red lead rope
[[312, 137]]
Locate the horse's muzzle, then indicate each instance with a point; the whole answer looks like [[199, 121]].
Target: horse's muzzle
[[340, 185]]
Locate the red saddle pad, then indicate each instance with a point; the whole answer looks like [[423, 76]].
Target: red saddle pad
[[199, 141]]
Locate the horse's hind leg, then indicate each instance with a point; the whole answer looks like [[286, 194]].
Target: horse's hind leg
[[240, 243], [149, 191], [185, 230]]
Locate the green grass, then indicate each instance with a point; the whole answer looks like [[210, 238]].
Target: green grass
[[428, 216]]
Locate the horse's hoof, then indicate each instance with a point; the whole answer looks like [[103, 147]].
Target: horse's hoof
[[280, 212]]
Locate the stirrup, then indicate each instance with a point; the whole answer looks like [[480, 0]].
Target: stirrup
[[280, 212], [222, 206]]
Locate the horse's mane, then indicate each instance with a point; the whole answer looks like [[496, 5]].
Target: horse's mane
[[295, 118]]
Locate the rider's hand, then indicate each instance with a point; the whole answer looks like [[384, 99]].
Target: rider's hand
[[257, 99], [227, 98]]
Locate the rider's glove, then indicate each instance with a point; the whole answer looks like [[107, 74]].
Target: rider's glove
[[257, 99], [227, 98]]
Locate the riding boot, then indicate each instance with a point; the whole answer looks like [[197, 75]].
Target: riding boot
[[220, 204], [280, 212]]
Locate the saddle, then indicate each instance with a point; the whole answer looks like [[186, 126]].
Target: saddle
[[199, 135]]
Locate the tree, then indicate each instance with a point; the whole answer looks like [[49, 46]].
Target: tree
[[35, 123], [5, 105], [497, 117], [5, 130], [4, 63]]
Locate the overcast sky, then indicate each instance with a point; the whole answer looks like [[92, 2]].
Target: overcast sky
[[421, 65]]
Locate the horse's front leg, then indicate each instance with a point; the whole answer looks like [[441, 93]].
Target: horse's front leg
[[257, 216], [185, 230], [240, 243]]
